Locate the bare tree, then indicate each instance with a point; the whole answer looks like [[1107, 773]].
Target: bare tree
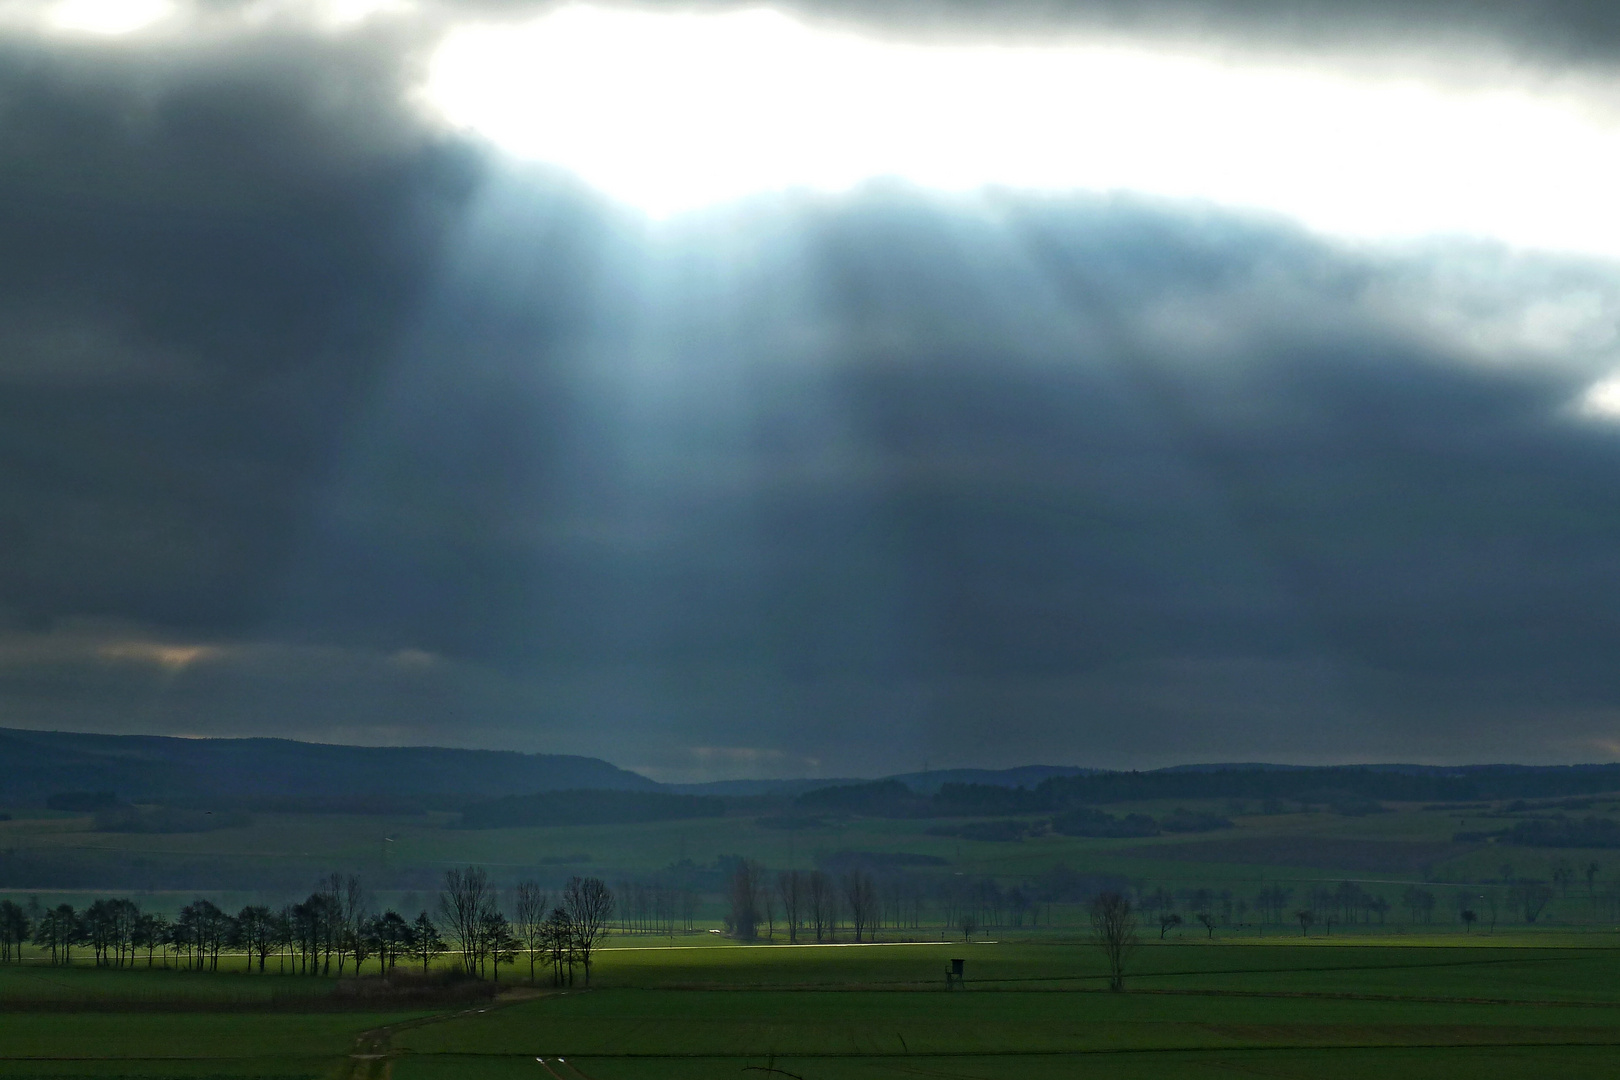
[[742, 899], [393, 936], [861, 899], [425, 942], [823, 904], [15, 926], [589, 905], [1530, 897], [497, 941], [1305, 917], [559, 937], [790, 888], [462, 904], [1113, 929], [354, 912], [1167, 919], [255, 927], [1207, 920], [530, 920]]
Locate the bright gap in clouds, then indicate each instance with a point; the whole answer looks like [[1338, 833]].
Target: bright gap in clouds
[[671, 112], [108, 17]]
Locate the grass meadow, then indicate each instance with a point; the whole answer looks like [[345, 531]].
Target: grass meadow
[[1475, 1007], [1391, 1000], [282, 853]]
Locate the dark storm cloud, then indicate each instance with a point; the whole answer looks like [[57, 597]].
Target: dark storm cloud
[[1566, 29], [316, 422], [207, 254], [1561, 32], [927, 475]]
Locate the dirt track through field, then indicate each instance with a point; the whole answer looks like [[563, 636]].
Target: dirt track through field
[[373, 1057]]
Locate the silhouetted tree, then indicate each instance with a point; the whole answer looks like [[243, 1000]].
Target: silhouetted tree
[[1113, 929], [1530, 898], [589, 904], [98, 930], [349, 909], [462, 904], [742, 898], [1167, 920], [255, 932], [530, 920], [1419, 903], [15, 927], [309, 920], [393, 936], [1273, 901], [282, 936], [58, 929], [558, 933], [151, 933], [790, 888], [363, 943], [203, 930], [860, 899], [425, 941], [1305, 918], [823, 903], [498, 941]]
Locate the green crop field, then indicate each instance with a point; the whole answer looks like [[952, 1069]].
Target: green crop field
[[1038, 1010], [280, 853], [1436, 1007], [1373, 989]]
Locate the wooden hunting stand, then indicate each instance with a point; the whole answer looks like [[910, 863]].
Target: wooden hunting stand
[[954, 976]]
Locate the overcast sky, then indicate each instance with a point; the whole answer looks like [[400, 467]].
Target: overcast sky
[[820, 392]]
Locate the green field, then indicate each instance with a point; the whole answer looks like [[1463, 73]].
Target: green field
[[278, 855], [1389, 995], [1036, 1010], [1441, 1007]]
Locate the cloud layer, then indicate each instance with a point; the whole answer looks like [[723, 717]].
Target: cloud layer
[[318, 421]]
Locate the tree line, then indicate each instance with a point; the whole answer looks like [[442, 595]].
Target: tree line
[[1352, 789], [335, 930]]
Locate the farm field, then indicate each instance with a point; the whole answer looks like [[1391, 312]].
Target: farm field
[[1222, 983], [1518, 1005], [1038, 1010], [65, 855]]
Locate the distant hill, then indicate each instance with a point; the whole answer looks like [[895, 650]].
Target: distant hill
[[750, 788], [280, 773], [1023, 776], [924, 782], [1336, 783], [1348, 789]]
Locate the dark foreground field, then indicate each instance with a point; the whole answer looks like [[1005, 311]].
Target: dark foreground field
[[1538, 1006]]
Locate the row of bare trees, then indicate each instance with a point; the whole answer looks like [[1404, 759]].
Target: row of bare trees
[[657, 907], [336, 925], [810, 902], [562, 935], [306, 937]]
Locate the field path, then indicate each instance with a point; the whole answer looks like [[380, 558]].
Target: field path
[[373, 1057]]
